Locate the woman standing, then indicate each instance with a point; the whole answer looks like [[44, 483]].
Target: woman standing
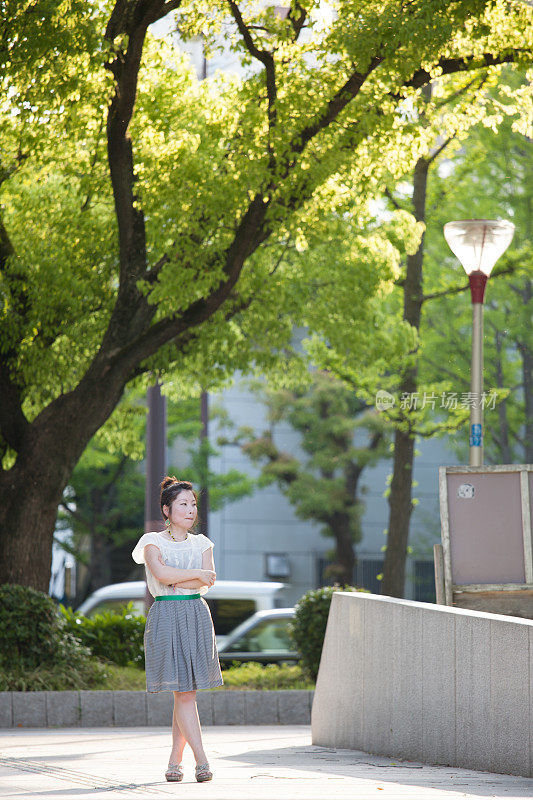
[[179, 640]]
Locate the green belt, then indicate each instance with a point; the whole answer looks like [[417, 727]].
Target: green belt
[[177, 596]]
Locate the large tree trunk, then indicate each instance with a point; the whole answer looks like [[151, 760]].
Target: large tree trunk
[[100, 562], [400, 508], [526, 353], [342, 570], [400, 497], [32, 489], [27, 523]]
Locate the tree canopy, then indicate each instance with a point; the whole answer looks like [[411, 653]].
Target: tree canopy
[[144, 212]]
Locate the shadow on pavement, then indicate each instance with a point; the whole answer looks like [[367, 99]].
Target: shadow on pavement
[[327, 761]]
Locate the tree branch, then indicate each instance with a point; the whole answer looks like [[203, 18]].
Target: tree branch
[[297, 22], [458, 289], [436, 153], [85, 205], [459, 92], [333, 107], [280, 259], [6, 247], [393, 200], [264, 56], [76, 515], [450, 66], [131, 19], [188, 335]]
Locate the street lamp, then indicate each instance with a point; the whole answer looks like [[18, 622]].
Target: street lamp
[[478, 244]]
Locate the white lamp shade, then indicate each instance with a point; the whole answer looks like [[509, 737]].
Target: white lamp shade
[[478, 243]]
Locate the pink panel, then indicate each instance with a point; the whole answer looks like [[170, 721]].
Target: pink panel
[[486, 537]]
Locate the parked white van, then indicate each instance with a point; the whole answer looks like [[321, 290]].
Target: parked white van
[[230, 602]]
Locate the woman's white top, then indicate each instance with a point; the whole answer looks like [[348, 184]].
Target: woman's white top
[[182, 555]]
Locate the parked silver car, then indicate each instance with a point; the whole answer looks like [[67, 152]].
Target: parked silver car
[[264, 638]]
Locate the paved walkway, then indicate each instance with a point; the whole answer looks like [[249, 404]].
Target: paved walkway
[[248, 762]]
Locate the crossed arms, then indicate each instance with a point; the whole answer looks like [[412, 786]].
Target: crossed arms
[[184, 578]]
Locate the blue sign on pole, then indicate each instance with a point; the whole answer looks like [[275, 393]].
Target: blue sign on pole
[[476, 435]]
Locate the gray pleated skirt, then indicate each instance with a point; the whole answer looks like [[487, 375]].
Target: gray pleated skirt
[[180, 647]]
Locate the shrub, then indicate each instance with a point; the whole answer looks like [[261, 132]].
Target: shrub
[[32, 632], [308, 628], [36, 649], [30, 627], [117, 637]]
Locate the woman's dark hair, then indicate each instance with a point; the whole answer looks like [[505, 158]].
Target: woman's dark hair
[[171, 487]]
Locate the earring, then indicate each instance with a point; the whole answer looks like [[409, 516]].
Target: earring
[[167, 523]]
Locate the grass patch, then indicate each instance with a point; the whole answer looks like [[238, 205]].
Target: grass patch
[[57, 678], [122, 678], [251, 675], [108, 676], [242, 676]]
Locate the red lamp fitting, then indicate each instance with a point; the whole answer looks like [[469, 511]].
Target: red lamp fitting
[[478, 281]]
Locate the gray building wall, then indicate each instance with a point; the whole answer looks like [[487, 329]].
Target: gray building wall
[[246, 530]]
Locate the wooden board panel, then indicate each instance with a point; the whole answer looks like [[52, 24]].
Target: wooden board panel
[[515, 604]]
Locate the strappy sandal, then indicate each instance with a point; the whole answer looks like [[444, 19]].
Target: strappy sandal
[[202, 773], [174, 772]]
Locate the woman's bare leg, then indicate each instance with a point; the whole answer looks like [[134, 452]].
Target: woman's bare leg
[[178, 739], [186, 714]]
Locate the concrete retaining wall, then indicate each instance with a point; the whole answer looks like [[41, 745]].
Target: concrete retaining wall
[[127, 709], [426, 683]]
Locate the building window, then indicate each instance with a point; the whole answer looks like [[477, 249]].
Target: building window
[[277, 566], [424, 582], [365, 573]]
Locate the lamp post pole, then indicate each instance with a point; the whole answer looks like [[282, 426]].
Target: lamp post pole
[[478, 244], [478, 281]]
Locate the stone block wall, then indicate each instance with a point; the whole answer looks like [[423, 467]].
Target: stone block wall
[[427, 683], [96, 709]]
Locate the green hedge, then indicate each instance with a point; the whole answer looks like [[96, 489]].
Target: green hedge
[[116, 637], [308, 627], [37, 651], [31, 630]]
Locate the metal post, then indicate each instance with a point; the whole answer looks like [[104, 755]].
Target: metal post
[[204, 438], [478, 282], [156, 464], [476, 388], [156, 461]]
